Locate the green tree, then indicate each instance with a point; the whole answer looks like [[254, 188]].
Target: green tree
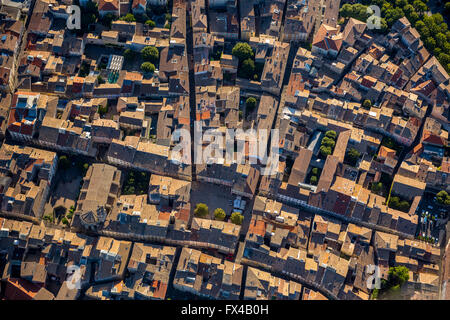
[[65, 221], [367, 104], [313, 180], [403, 206], [420, 6], [325, 151], [237, 218], [102, 110], [129, 54], [250, 103], [48, 217], [100, 79], [129, 17], [150, 53], [150, 23], [398, 275], [242, 51], [148, 67], [201, 210], [352, 156], [328, 142], [394, 202], [219, 214], [331, 134], [376, 186], [443, 197], [248, 68], [315, 171]]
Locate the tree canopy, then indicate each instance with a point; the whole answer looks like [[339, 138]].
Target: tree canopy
[[398, 275], [352, 156], [201, 210], [237, 218], [250, 103], [247, 69], [219, 214], [242, 51], [331, 134], [443, 198], [150, 54], [129, 17], [367, 103], [150, 23], [148, 67]]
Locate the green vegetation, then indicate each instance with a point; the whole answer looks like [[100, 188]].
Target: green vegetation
[[89, 15], [391, 144], [84, 70], [426, 239], [71, 212], [367, 104], [313, 180], [237, 218], [219, 214], [167, 25], [102, 110], [250, 103], [201, 210], [248, 68], [357, 11], [48, 217], [148, 67], [433, 30], [136, 183], [397, 276], [129, 17], [331, 134], [352, 156], [100, 79], [242, 51], [150, 54], [376, 187], [399, 204], [327, 144], [216, 55], [150, 23], [65, 221], [443, 197], [325, 151], [129, 55]]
